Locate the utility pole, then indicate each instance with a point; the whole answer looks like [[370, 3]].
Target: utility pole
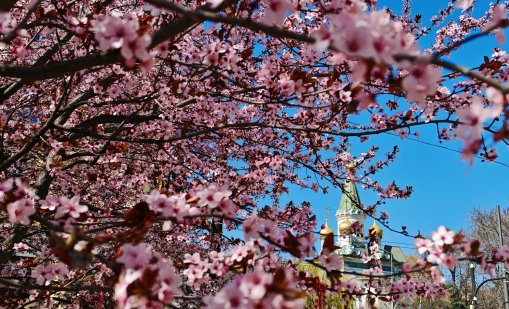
[[473, 304], [501, 243]]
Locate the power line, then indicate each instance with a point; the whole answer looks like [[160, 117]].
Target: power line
[[399, 243], [446, 148], [439, 146]]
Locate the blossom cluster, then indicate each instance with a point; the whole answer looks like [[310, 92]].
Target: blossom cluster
[[207, 200], [440, 249], [198, 270], [18, 200], [259, 289], [145, 270], [45, 273], [436, 247], [124, 33], [409, 287], [473, 118], [367, 36], [64, 206]]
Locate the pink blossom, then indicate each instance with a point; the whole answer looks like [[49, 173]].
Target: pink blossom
[[406, 267], [437, 275], [135, 257], [114, 91], [169, 282], [70, 206], [287, 85], [136, 49], [498, 15], [469, 244], [331, 261], [45, 273], [422, 81], [192, 259], [20, 211], [113, 32], [276, 11], [443, 236], [60, 270], [365, 100], [306, 245], [20, 189], [217, 268], [472, 119], [216, 256], [50, 203], [5, 20], [159, 203], [449, 261], [322, 39], [20, 247], [494, 95], [7, 185], [229, 298], [354, 40], [214, 3], [42, 274], [196, 274], [423, 245], [464, 4], [213, 195], [173, 206], [254, 285], [250, 226], [238, 253], [351, 285], [120, 291], [212, 52]]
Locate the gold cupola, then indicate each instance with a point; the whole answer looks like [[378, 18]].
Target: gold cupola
[[351, 166], [345, 226], [326, 230], [375, 231]]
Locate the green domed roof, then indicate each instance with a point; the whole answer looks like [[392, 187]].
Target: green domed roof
[[350, 200]]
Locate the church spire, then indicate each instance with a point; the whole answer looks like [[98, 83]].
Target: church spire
[[350, 200], [350, 209], [326, 229]]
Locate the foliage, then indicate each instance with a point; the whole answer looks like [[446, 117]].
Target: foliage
[[456, 299]]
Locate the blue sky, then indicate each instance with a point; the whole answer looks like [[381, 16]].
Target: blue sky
[[445, 187]]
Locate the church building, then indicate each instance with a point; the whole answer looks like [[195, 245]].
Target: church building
[[351, 238]]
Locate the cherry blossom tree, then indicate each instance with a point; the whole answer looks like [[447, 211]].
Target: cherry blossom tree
[[137, 136]]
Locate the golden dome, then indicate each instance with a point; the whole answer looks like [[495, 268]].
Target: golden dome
[[351, 166], [375, 231], [344, 227], [325, 231]]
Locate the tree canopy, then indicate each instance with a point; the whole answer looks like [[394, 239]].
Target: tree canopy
[[136, 136]]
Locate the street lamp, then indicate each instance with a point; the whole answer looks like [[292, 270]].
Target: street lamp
[[474, 296]]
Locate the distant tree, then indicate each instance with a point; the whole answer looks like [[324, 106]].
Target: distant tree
[[456, 298], [484, 227]]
